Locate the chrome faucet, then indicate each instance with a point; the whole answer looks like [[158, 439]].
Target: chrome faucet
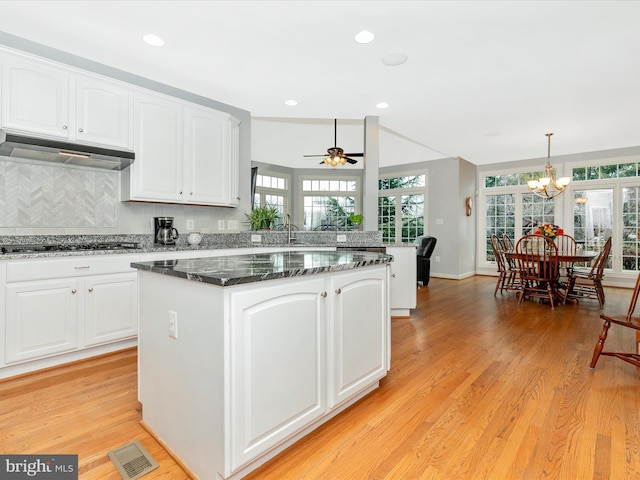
[[287, 225]]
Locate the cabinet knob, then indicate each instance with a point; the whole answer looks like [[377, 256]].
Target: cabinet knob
[[338, 291], [91, 289], [323, 294], [180, 193], [73, 290], [393, 275], [64, 127], [81, 130], [190, 193]]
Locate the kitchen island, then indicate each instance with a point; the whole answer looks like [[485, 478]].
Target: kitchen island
[[242, 355]]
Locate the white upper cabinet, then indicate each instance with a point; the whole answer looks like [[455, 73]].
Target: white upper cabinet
[[35, 97], [208, 149], [185, 153], [103, 112], [45, 99], [156, 174]]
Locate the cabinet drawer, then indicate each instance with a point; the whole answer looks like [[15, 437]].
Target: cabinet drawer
[[24, 270]]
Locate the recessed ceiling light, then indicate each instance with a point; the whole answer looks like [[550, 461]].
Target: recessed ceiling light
[[364, 37], [382, 105], [394, 59], [291, 103], [154, 40]]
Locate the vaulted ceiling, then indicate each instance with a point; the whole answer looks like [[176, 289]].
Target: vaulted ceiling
[[483, 80]]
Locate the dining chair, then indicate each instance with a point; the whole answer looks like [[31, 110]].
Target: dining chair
[[628, 321], [507, 275], [583, 283], [507, 243], [566, 245], [537, 258]]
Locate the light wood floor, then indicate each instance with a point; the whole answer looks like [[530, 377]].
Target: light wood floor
[[480, 388]]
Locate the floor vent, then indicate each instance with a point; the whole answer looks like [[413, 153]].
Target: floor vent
[[132, 460]]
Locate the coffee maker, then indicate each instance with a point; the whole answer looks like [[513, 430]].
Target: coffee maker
[[164, 233]]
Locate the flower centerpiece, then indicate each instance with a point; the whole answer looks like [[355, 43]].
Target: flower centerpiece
[[549, 230]]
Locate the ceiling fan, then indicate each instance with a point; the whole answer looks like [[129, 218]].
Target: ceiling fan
[[335, 155]]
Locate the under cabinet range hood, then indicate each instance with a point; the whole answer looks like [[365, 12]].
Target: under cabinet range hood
[[33, 148]]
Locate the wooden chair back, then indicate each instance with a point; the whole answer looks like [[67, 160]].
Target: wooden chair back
[[597, 269], [537, 258], [634, 301], [507, 243], [496, 246], [566, 245]]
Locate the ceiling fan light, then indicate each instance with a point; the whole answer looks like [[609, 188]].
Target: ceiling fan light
[[342, 160], [327, 160]]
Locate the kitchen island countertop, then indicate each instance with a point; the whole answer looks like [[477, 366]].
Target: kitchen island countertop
[[257, 267]]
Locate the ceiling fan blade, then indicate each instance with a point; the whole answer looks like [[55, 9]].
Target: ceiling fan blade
[[350, 160], [315, 155], [354, 154]]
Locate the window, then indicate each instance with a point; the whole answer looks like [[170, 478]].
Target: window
[[272, 190], [401, 209], [511, 209], [328, 203], [602, 201]]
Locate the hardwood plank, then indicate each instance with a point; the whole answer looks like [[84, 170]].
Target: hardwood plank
[[479, 388]]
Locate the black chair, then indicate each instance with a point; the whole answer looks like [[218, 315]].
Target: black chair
[[425, 248]]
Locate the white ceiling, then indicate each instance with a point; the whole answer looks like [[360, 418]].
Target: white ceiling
[[484, 80]]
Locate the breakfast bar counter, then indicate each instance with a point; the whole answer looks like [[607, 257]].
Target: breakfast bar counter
[[258, 267], [240, 356]]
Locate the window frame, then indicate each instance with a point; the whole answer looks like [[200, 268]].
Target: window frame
[[356, 194], [398, 193]]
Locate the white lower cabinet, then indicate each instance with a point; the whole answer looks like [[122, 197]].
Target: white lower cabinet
[[403, 282], [358, 333], [111, 307], [300, 350], [58, 310], [42, 319], [278, 359], [256, 367]]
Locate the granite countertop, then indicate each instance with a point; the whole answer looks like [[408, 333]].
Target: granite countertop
[[209, 242], [258, 267]]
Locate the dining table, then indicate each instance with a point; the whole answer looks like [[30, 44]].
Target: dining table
[[580, 256]]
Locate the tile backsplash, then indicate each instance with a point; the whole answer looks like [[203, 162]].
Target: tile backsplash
[[37, 198], [35, 195]]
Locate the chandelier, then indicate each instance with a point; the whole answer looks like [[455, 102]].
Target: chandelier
[[547, 186]]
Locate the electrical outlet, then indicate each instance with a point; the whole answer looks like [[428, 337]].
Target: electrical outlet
[[256, 238], [232, 224], [221, 224], [437, 258], [173, 324], [190, 224], [341, 238]]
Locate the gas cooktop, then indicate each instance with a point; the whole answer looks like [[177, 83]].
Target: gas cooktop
[[68, 247]]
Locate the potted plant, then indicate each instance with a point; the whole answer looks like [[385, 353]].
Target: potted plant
[[263, 217], [356, 221]]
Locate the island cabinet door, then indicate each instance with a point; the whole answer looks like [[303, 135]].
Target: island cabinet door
[[358, 332], [277, 364]]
